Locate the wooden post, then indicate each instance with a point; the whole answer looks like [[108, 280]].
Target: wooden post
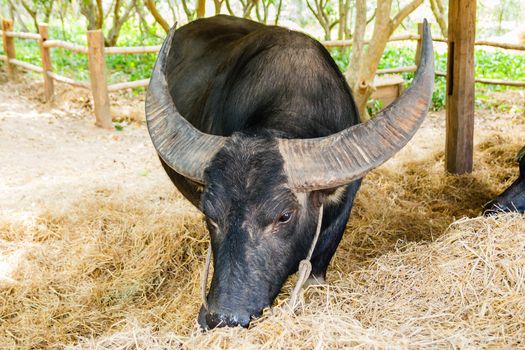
[[9, 47], [460, 86], [46, 62], [419, 42], [97, 76]]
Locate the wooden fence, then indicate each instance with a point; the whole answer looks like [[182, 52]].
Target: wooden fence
[[96, 53]]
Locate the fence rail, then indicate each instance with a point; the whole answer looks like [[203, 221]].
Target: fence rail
[[26, 65], [65, 45], [131, 50], [31, 36], [411, 36], [96, 53], [66, 80]]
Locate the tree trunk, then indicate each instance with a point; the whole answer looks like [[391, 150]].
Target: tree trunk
[[278, 12], [439, 13], [143, 23], [229, 8], [92, 13], [357, 43], [322, 17], [31, 13], [47, 10], [190, 14], [150, 4], [343, 19], [201, 8], [114, 32], [15, 13], [361, 72]]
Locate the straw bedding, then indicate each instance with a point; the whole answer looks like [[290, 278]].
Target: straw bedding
[[121, 272]]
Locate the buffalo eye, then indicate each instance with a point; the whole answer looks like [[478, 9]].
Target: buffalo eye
[[285, 217]]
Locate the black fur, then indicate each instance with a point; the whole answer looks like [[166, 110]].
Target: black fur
[[234, 77], [513, 198]]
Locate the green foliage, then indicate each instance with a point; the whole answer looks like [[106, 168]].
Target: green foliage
[[28, 51], [374, 106], [341, 56], [497, 64], [490, 64]]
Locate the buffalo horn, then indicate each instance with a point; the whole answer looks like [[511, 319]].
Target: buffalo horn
[[184, 148], [338, 159]]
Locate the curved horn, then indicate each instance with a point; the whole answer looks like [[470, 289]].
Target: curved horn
[[184, 148], [338, 159]]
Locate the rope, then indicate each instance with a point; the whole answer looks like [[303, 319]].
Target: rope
[[204, 278], [305, 268]]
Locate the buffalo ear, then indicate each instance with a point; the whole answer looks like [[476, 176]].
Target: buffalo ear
[[326, 196]]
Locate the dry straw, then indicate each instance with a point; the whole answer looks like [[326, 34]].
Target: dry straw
[[123, 273]]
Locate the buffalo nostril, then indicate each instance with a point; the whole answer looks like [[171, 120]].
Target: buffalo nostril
[[215, 320], [494, 208], [244, 321]]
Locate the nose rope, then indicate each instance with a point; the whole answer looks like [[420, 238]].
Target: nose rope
[[305, 268], [204, 278]]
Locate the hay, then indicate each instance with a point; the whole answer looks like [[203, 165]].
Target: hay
[[121, 272]]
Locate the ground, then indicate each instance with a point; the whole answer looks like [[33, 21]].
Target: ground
[[47, 151], [98, 250]]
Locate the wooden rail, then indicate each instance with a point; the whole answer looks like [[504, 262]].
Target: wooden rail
[[65, 45], [129, 85], [96, 53], [346, 43], [397, 70], [31, 36], [62, 79], [26, 65], [133, 50]]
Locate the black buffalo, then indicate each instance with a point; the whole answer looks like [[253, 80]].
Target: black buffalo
[[513, 198], [257, 127]]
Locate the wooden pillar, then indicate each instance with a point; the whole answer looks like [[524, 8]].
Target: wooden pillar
[[97, 77], [419, 42], [460, 86], [46, 62], [9, 47]]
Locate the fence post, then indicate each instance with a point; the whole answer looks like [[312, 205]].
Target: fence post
[[459, 143], [9, 47], [419, 42], [46, 62], [97, 76]]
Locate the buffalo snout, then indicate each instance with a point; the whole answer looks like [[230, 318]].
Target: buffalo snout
[[211, 319], [512, 199]]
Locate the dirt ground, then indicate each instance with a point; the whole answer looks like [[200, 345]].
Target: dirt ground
[[61, 178], [53, 154]]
